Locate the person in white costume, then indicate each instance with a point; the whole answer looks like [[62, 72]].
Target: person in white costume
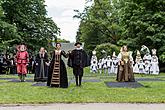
[[154, 63], [109, 63], [141, 66], [104, 62], [100, 66], [137, 61], [114, 66], [147, 61], [93, 61], [94, 67], [146, 58]]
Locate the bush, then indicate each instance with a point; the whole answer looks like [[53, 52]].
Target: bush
[[162, 57], [109, 49]]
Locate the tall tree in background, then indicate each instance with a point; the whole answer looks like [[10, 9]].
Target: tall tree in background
[[143, 23], [130, 22], [98, 24], [31, 22], [8, 33]]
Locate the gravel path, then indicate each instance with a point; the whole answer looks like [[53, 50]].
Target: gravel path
[[90, 106]]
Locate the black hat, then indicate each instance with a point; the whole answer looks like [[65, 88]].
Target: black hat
[[77, 43]]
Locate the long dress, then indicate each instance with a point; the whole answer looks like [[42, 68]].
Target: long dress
[[114, 66], [136, 66], [141, 67], [41, 70], [57, 56], [125, 70], [147, 60], [109, 65], [154, 65]]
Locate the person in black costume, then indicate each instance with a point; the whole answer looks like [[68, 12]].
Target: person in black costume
[[42, 62], [57, 56], [78, 59]]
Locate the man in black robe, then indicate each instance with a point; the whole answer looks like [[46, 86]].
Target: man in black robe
[[78, 59]]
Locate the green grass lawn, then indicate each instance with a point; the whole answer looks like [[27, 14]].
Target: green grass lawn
[[98, 92]]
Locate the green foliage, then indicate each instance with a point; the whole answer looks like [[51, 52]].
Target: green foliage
[[26, 21], [62, 40], [124, 22], [162, 57], [98, 25], [108, 48]]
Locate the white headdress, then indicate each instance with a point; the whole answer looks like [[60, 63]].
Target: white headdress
[[153, 51]]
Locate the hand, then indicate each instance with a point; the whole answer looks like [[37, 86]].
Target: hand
[[47, 64], [69, 51], [36, 64]]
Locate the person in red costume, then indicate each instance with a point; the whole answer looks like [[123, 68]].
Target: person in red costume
[[22, 59]]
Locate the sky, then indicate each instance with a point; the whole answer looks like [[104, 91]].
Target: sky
[[62, 12]]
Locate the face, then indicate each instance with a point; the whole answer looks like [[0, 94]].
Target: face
[[22, 48], [42, 50], [58, 46], [125, 48], [78, 45]]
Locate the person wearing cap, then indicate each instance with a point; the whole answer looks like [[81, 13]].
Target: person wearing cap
[[78, 59], [22, 60]]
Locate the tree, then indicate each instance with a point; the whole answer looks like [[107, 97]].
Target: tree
[[8, 32], [62, 40], [124, 22], [98, 24], [30, 17], [143, 23]]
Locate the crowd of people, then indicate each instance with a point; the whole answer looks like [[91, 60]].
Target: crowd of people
[[112, 64], [51, 71], [54, 71]]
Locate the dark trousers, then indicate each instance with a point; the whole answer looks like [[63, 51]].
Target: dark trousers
[[78, 73]]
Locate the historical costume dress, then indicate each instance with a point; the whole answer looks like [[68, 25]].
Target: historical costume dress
[[100, 66], [137, 61], [22, 60], [154, 63], [141, 66], [57, 76], [104, 62], [94, 67], [114, 66], [41, 70], [78, 59], [125, 70], [147, 61], [109, 64]]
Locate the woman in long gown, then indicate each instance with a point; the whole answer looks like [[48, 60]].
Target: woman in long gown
[[125, 70], [154, 69], [42, 62], [57, 67], [137, 60]]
